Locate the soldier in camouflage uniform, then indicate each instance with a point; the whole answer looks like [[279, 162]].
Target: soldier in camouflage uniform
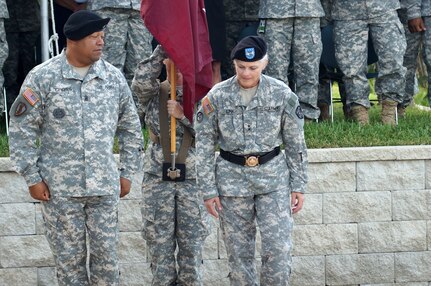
[[240, 15], [416, 17], [62, 132], [128, 41], [353, 21], [250, 115], [3, 49], [22, 32], [292, 30], [172, 212]]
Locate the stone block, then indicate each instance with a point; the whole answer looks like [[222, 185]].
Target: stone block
[[308, 271], [40, 223], [47, 276], [325, 239], [132, 248], [411, 205], [18, 276], [399, 284], [13, 188], [135, 274], [413, 266], [311, 212], [17, 219], [392, 236], [5, 164], [215, 272], [331, 177], [25, 251], [357, 207], [129, 216], [391, 175], [359, 269], [428, 174]]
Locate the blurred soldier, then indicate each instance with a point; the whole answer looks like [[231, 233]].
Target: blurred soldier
[[241, 18], [249, 116], [3, 49], [353, 21], [292, 30], [128, 41], [62, 132], [22, 33], [171, 207], [416, 17]]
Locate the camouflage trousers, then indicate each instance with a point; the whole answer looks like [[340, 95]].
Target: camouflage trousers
[[174, 217], [127, 42], [296, 42], [3, 55], [74, 223], [238, 220], [414, 42], [351, 51]]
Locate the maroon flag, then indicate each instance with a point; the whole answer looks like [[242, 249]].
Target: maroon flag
[[180, 26]]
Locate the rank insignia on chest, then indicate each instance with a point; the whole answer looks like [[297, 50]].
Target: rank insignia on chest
[[30, 96], [206, 105]]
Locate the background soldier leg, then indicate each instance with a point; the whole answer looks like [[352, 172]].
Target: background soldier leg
[[306, 52]]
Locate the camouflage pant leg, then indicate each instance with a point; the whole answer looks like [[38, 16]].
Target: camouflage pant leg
[[351, 38], [306, 52], [103, 234], [65, 224], [237, 222], [390, 46], [115, 36], [172, 214], [275, 222], [138, 44], [3, 55], [413, 41], [192, 229], [427, 53], [279, 36]]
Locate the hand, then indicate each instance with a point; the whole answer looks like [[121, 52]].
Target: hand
[[39, 191], [416, 25], [297, 200], [125, 186], [213, 206], [175, 109]]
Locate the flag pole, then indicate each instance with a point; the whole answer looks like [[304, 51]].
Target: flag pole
[[173, 83]]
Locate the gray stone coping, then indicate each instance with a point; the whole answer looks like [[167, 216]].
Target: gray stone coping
[[380, 153]]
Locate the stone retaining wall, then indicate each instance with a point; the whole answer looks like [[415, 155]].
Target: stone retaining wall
[[366, 221]]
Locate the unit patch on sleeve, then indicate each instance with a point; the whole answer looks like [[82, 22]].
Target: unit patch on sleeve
[[299, 112], [30, 96], [20, 109]]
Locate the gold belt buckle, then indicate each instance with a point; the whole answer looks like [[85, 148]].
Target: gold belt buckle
[[252, 161]]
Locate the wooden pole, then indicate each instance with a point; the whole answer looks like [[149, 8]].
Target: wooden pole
[[173, 79]]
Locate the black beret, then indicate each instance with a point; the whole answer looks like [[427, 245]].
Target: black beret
[[83, 23], [249, 49]]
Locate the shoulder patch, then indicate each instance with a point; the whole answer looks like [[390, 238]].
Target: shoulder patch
[[20, 109], [207, 106], [30, 96], [199, 117], [299, 112]]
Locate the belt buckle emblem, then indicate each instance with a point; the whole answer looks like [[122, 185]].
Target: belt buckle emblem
[[252, 161]]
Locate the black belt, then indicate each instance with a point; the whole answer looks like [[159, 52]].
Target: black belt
[[249, 160]]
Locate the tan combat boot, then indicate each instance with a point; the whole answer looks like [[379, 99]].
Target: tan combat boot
[[389, 112], [324, 111], [359, 114]]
